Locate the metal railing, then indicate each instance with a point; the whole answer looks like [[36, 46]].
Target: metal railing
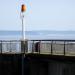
[[11, 46], [53, 47]]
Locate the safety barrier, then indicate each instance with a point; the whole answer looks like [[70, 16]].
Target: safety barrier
[[53, 47]]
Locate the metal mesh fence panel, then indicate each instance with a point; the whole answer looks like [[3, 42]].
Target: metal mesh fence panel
[[70, 48], [58, 48], [45, 47]]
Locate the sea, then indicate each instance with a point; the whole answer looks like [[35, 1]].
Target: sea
[[36, 35]]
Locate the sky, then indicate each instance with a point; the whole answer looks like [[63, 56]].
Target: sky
[[40, 15]]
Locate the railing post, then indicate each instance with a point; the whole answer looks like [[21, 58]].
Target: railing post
[[22, 46], [39, 46], [1, 47], [51, 47], [26, 46], [10, 46], [64, 48], [33, 47]]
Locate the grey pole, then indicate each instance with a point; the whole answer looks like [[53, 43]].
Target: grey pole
[[22, 64], [22, 44], [23, 35]]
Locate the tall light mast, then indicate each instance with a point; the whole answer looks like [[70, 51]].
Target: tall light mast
[[23, 9]]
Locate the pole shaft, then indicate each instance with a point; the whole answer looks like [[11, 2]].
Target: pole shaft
[[23, 33], [22, 64]]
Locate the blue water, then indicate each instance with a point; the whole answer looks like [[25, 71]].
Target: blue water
[[17, 35]]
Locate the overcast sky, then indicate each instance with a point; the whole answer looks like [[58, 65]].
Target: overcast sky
[[40, 14]]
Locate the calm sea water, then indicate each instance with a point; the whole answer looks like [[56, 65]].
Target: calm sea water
[[17, 35]]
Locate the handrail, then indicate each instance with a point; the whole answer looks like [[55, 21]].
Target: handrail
[[52, 46], [56, 48], [53, 40]]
